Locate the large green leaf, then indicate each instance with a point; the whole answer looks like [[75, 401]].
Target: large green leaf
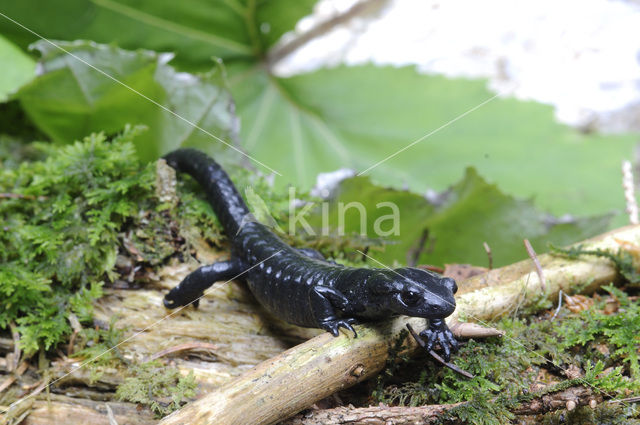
[[70, 99], [342, 117], [196, 29], [17, 68], [358, 116], [469, 213]]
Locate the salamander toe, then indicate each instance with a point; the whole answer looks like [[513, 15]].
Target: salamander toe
[[333, 326]]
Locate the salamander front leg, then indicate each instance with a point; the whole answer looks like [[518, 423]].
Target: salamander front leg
[[324, 301], [438, 332], [192, 287]]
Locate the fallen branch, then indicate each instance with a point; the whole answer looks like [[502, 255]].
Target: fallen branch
[[297, 378], [361, 8], [16, 374], [381, 415], [374, 415]]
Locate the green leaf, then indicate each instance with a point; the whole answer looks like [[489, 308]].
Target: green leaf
[[70, 99], [197, 29], [275, 17], [471, 212], [18, 68], [358, 116]]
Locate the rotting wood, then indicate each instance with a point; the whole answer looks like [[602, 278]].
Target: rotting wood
[[72, 411], [580, 396], [295, 379], [6, 344], [374, 415], [11, 379]]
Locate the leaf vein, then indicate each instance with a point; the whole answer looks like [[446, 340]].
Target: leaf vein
[[164, 24]]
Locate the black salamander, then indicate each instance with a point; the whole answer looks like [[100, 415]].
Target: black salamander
[[299, 285]]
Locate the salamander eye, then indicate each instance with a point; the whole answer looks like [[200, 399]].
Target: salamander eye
[[410, 298]]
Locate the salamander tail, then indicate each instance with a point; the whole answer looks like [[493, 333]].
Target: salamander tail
[[221, 192]]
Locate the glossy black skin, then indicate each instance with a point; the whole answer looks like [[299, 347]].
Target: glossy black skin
[[299, 285]]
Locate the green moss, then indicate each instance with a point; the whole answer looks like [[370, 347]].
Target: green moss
[[622, 259], [162, 389], [66, 215], [506, 369], [603, 414], [619, 331], [68, 212], [61, 232], [99, 348]]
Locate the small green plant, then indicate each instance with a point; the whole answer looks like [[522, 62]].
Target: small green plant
[[506, 369], [623, 260], [162, 389], [99, 348], [620, 331], [67, 215], [61, 217]]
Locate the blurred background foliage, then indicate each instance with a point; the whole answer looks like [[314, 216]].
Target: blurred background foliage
[[220, 80]]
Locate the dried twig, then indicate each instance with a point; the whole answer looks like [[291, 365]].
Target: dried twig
[[77, 328], [435, 355], [489, 255], [16, 374], [381, 415], [534, 257], [110, 415], [560, 293], [16, 346], [17, 403], [197, 345], [625, 400], [358, 9]]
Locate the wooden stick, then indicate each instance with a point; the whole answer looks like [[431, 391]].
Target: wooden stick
[[487, 248], [534, 258], [381, 415], [297, 378], [196, 345], [374, 415], [16, 374], [435, 355]]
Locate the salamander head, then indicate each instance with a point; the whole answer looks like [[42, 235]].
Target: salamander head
[[415, 292]]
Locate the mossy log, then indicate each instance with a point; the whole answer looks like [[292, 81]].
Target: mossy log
[[297, 378], [241, 335]]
